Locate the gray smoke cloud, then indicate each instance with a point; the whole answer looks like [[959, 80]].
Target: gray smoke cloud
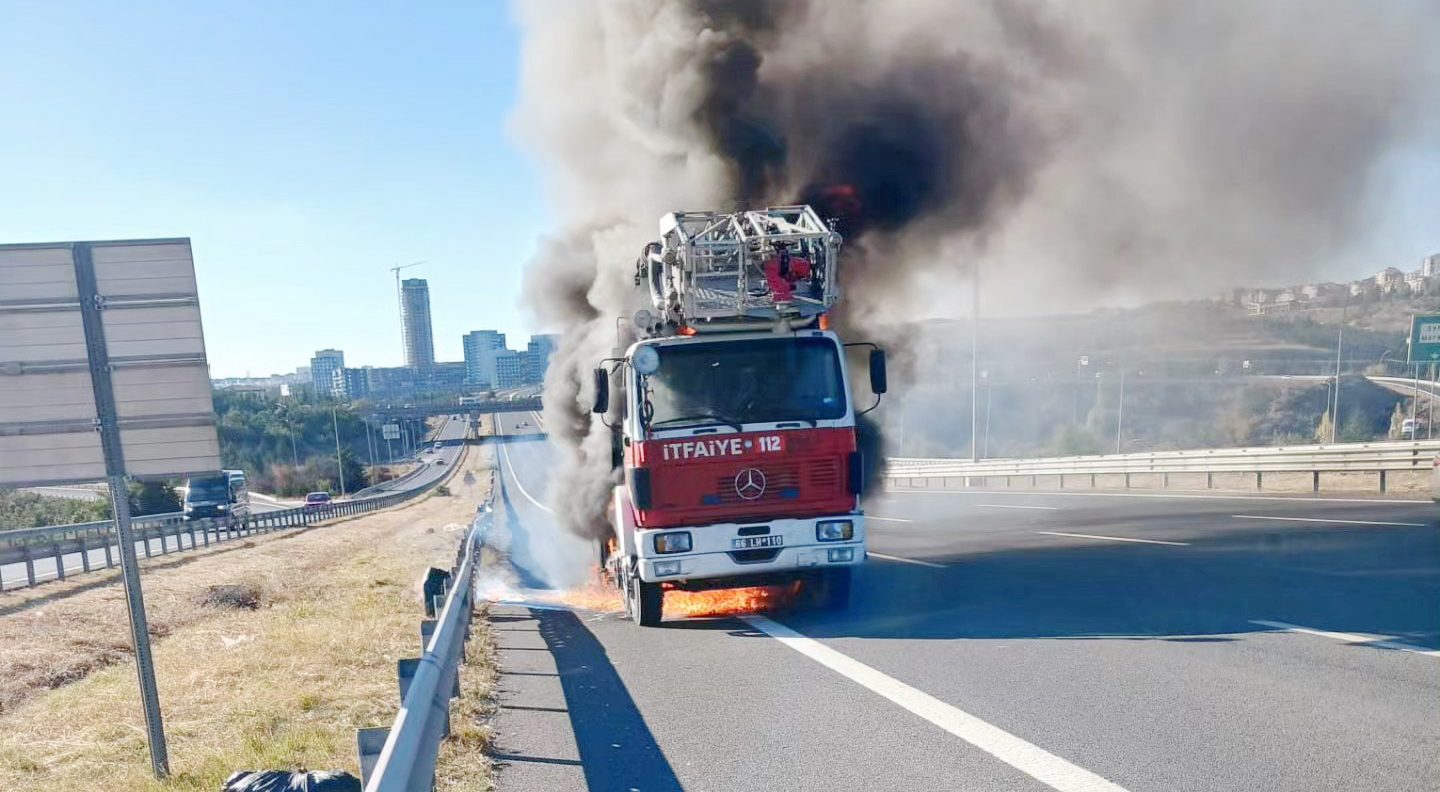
[[1119, 151]]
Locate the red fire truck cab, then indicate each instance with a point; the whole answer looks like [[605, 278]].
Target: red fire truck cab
[[741, 466]]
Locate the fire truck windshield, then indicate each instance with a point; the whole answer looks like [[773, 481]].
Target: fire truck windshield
[[745, 381]]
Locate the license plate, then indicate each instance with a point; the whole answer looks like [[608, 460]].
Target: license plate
[[752, 542]]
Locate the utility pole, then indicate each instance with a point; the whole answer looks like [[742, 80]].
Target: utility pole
[[339, 463]]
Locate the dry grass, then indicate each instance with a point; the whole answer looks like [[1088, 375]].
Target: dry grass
[[294, 648]]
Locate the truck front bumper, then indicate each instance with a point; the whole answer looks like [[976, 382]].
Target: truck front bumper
[[714, 552]]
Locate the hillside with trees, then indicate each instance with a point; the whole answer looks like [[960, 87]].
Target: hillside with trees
[[287, 447]]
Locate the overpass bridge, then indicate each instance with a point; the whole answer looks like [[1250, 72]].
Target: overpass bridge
[[431, 409]]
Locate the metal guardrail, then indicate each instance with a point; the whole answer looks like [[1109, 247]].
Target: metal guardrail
[[56, 542], [402, 757], [1343, 457]]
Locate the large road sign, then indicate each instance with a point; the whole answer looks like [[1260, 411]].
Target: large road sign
[[1425, 339], [92, 330], [103, 375], [390, 431]]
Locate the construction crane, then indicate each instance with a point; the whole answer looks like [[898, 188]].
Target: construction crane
[[400, 301]]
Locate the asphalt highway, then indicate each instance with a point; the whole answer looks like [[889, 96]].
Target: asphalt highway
[[450, 434], [1002, 641]]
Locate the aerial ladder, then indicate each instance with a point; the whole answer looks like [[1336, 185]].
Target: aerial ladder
[[773, 267]]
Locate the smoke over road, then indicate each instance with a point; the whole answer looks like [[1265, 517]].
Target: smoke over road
[[1108, 153]]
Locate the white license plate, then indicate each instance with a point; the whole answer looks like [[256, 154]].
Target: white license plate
[[752, 542]]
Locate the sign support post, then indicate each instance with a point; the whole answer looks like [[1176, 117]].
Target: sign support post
[[107, 420]]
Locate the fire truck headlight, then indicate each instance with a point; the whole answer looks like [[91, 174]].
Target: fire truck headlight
[[677, 542], [834, 530]]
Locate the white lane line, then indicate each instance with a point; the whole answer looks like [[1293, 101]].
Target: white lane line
[[516, 478], [1113, 538], [1017, 506], [1175, 496], [887, 519], [915, 561], [1320, 520], [1382, 641], [1030, 759]]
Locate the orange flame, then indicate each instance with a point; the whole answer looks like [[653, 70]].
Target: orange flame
[[729, 602]]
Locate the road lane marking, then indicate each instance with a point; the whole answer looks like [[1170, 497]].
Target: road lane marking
[[915, 561], [1382, 641], [1017, 506], [1113, 538], [510, 466], [887, 519], [1322, 520], [1176, 496], [1028, 758]]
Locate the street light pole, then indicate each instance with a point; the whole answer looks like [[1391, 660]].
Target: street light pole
[[339, 463], [989, 390], [1120, 416], [975, 368], [1339, 348]]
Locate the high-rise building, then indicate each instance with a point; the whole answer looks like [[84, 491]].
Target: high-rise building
[[350, 383], [537, 357], [415, 321], [509, 369], [322, 370], [480, 349]]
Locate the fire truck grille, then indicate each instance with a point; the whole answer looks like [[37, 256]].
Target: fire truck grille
[[784, 481]]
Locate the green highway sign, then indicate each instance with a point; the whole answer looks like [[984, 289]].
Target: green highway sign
[[1425, 339]]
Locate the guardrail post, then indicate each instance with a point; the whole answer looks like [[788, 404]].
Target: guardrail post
[[1315, 481], [1032, 480], [1127, 481], [191, 527], [1259, 481], [1209, 480], [109, 559], [1164, 481], [204, 532], [29, 565], [368, 744], [59, 563], [1382, 481], [145, 540], [164, 545], [84, 553], [1092, 481]]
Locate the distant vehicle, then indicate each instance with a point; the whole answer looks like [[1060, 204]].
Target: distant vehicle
[[1407, 428], [440, 462], [437, 446], [317, 501], [222, 496], [522, 424]]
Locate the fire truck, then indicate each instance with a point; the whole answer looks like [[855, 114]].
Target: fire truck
[[735, 423]]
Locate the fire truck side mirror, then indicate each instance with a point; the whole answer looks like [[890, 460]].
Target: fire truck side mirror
[[877, 371], [602, 391]]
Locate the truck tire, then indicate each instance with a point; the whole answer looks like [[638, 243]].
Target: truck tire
[[645, 602], [831, 589]]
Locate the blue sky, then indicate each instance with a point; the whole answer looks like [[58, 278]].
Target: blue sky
[[303, 147]]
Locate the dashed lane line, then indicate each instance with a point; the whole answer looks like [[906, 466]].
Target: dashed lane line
[[1028, 758], [516, 478], [1113, 538], [902, 560], [1323, 520], [1379, 641]]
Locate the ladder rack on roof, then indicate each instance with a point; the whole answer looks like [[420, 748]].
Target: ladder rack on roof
[[710, 270]]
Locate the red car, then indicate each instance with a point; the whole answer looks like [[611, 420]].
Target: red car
[[317, 501]]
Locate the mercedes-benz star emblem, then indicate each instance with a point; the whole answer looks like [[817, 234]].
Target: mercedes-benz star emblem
[[750, 483]]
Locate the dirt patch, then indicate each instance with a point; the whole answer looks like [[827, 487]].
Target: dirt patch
[[293, 649], [233, 596]]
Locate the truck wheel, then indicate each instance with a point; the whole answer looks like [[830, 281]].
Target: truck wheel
[[832, 589], [645, 602]]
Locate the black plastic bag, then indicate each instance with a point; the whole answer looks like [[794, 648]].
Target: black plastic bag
[[286, 781]]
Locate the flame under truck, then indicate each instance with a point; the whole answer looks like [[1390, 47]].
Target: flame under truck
[[736, 427]]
